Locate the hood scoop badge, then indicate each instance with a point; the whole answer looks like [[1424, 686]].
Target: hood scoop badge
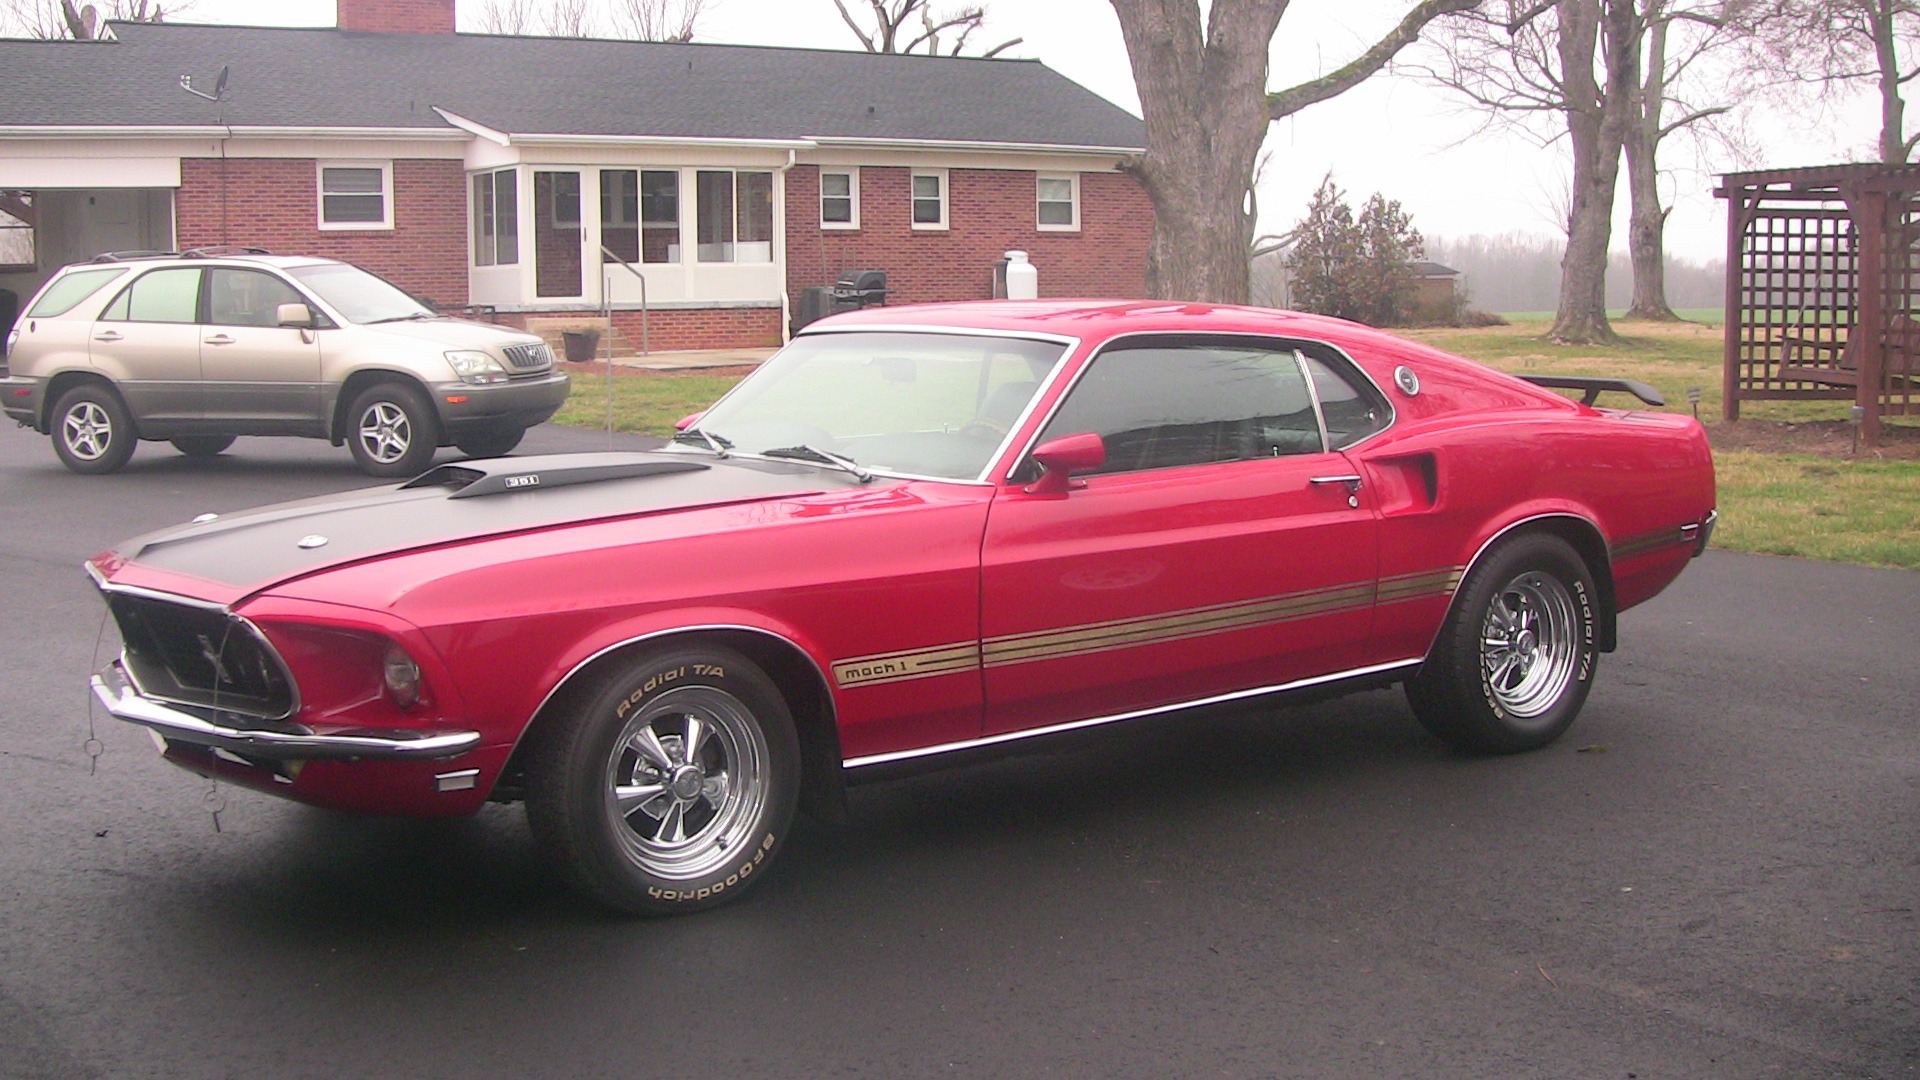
[[313, 540], [498, 476]]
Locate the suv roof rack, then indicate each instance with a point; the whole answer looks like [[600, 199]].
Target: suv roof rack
[[219, 250], [122, 256]]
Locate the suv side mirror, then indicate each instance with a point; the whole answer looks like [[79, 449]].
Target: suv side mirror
[[299, 316], [1060, 458]]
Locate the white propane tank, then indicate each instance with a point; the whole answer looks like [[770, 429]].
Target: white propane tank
[[1023, 281]]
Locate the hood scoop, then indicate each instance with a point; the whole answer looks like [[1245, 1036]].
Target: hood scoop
[[500, 476]]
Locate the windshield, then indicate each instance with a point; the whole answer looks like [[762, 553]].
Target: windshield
[[358, 296], [918, 404]]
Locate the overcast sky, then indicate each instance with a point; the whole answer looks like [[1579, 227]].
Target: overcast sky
[[1393, 135]]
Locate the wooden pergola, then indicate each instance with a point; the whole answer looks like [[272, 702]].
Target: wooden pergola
[[1823, 289]]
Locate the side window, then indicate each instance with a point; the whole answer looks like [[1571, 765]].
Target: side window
[[1164, 403], [247, 298], [1353, 408], [163, 296]]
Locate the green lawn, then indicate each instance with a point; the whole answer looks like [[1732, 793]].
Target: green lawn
[[1856, 509]]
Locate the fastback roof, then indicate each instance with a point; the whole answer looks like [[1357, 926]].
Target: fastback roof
[[521, 85]]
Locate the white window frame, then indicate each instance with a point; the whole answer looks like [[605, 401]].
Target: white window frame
[[1073, 179], [945, 200], [320, 196], [852, 173]]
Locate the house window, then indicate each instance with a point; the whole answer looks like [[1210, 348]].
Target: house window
[[566, 200], [1059, 201], [496, 218], [840, 199], [930, 200], [356, 195], [735, 216], [18, 250], [640, 215]]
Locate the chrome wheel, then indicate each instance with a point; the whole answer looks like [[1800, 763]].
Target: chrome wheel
[[687, 782], [87, 431], [1529, 643], [385, 432]]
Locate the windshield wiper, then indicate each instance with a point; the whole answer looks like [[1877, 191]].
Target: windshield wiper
[[804, 452], [418, 316], [719, 444]]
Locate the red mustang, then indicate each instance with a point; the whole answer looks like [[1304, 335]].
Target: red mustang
[[912, 532]]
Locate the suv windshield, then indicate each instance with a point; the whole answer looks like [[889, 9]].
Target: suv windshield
[[358, 296], [916, 404]]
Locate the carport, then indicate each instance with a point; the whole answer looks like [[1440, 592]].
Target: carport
[[57, 210]]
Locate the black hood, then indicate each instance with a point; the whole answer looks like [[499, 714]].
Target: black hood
[[254, 549]]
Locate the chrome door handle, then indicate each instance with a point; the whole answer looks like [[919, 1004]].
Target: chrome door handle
[[219, 339], [111, 335], [1352, 481]]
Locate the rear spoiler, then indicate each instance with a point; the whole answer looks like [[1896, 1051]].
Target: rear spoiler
[[1595, 387]]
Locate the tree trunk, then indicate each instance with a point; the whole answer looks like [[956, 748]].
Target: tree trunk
[[1893, 138], [1596, 127], [1203, 98], [1647, 219]]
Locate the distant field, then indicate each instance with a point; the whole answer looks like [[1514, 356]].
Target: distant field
[[1691, 314]]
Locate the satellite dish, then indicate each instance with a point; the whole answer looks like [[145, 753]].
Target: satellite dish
[[219, 86]]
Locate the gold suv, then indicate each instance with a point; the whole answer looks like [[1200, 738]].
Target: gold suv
[[199, 347]]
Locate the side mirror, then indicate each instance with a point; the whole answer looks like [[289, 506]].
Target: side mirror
[[1060, 458], [298, 316], [688, 420]]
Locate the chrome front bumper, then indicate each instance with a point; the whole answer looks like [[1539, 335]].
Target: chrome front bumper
[[117, 694]]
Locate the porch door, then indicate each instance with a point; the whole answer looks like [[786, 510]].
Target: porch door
[[559, 235]]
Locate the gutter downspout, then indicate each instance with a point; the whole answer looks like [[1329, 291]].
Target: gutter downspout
[[780, 262]]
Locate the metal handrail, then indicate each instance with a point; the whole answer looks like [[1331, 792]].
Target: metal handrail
[[606, 312]]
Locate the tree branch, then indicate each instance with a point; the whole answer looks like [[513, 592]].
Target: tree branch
[[1287, 102]]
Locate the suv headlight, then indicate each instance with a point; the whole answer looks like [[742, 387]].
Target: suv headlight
[[476, 367]]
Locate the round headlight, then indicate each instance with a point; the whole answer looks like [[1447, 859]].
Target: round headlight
[[402, 677]]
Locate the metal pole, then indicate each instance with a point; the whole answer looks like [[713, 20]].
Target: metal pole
[[606, 345]]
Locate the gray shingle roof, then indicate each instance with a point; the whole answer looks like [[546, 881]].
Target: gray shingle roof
[[336, 78]]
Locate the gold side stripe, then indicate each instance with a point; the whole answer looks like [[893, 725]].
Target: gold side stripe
[[910, 664], [1641, 543], [1020, 648], [1009, 649]]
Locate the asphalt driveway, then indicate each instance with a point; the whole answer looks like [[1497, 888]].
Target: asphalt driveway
[[1716, 874]]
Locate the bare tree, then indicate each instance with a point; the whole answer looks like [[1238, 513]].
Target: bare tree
[[657, 20], [639, 20], [1837, 44], [1206, 104], [51, 19], [1677, 42], [889, 30], [1572, 65]]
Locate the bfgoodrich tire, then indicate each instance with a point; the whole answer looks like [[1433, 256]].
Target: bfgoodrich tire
[[392, 430], [671, 786], [92, 430], [1516, 658]]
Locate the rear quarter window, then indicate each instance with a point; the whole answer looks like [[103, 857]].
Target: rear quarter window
[[67, 291]]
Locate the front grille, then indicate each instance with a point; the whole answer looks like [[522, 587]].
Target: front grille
[[195, 656], [534, 357]]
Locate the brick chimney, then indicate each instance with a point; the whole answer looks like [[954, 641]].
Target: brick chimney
[[396, 16]]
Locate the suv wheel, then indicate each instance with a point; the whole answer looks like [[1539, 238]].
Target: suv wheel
[[92, 432], [392, 430]]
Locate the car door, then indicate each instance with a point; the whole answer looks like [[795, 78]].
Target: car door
[[1221, 547], [148, 342], [260, 377]]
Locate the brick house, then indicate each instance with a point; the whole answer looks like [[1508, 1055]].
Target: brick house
[[541, 176]]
